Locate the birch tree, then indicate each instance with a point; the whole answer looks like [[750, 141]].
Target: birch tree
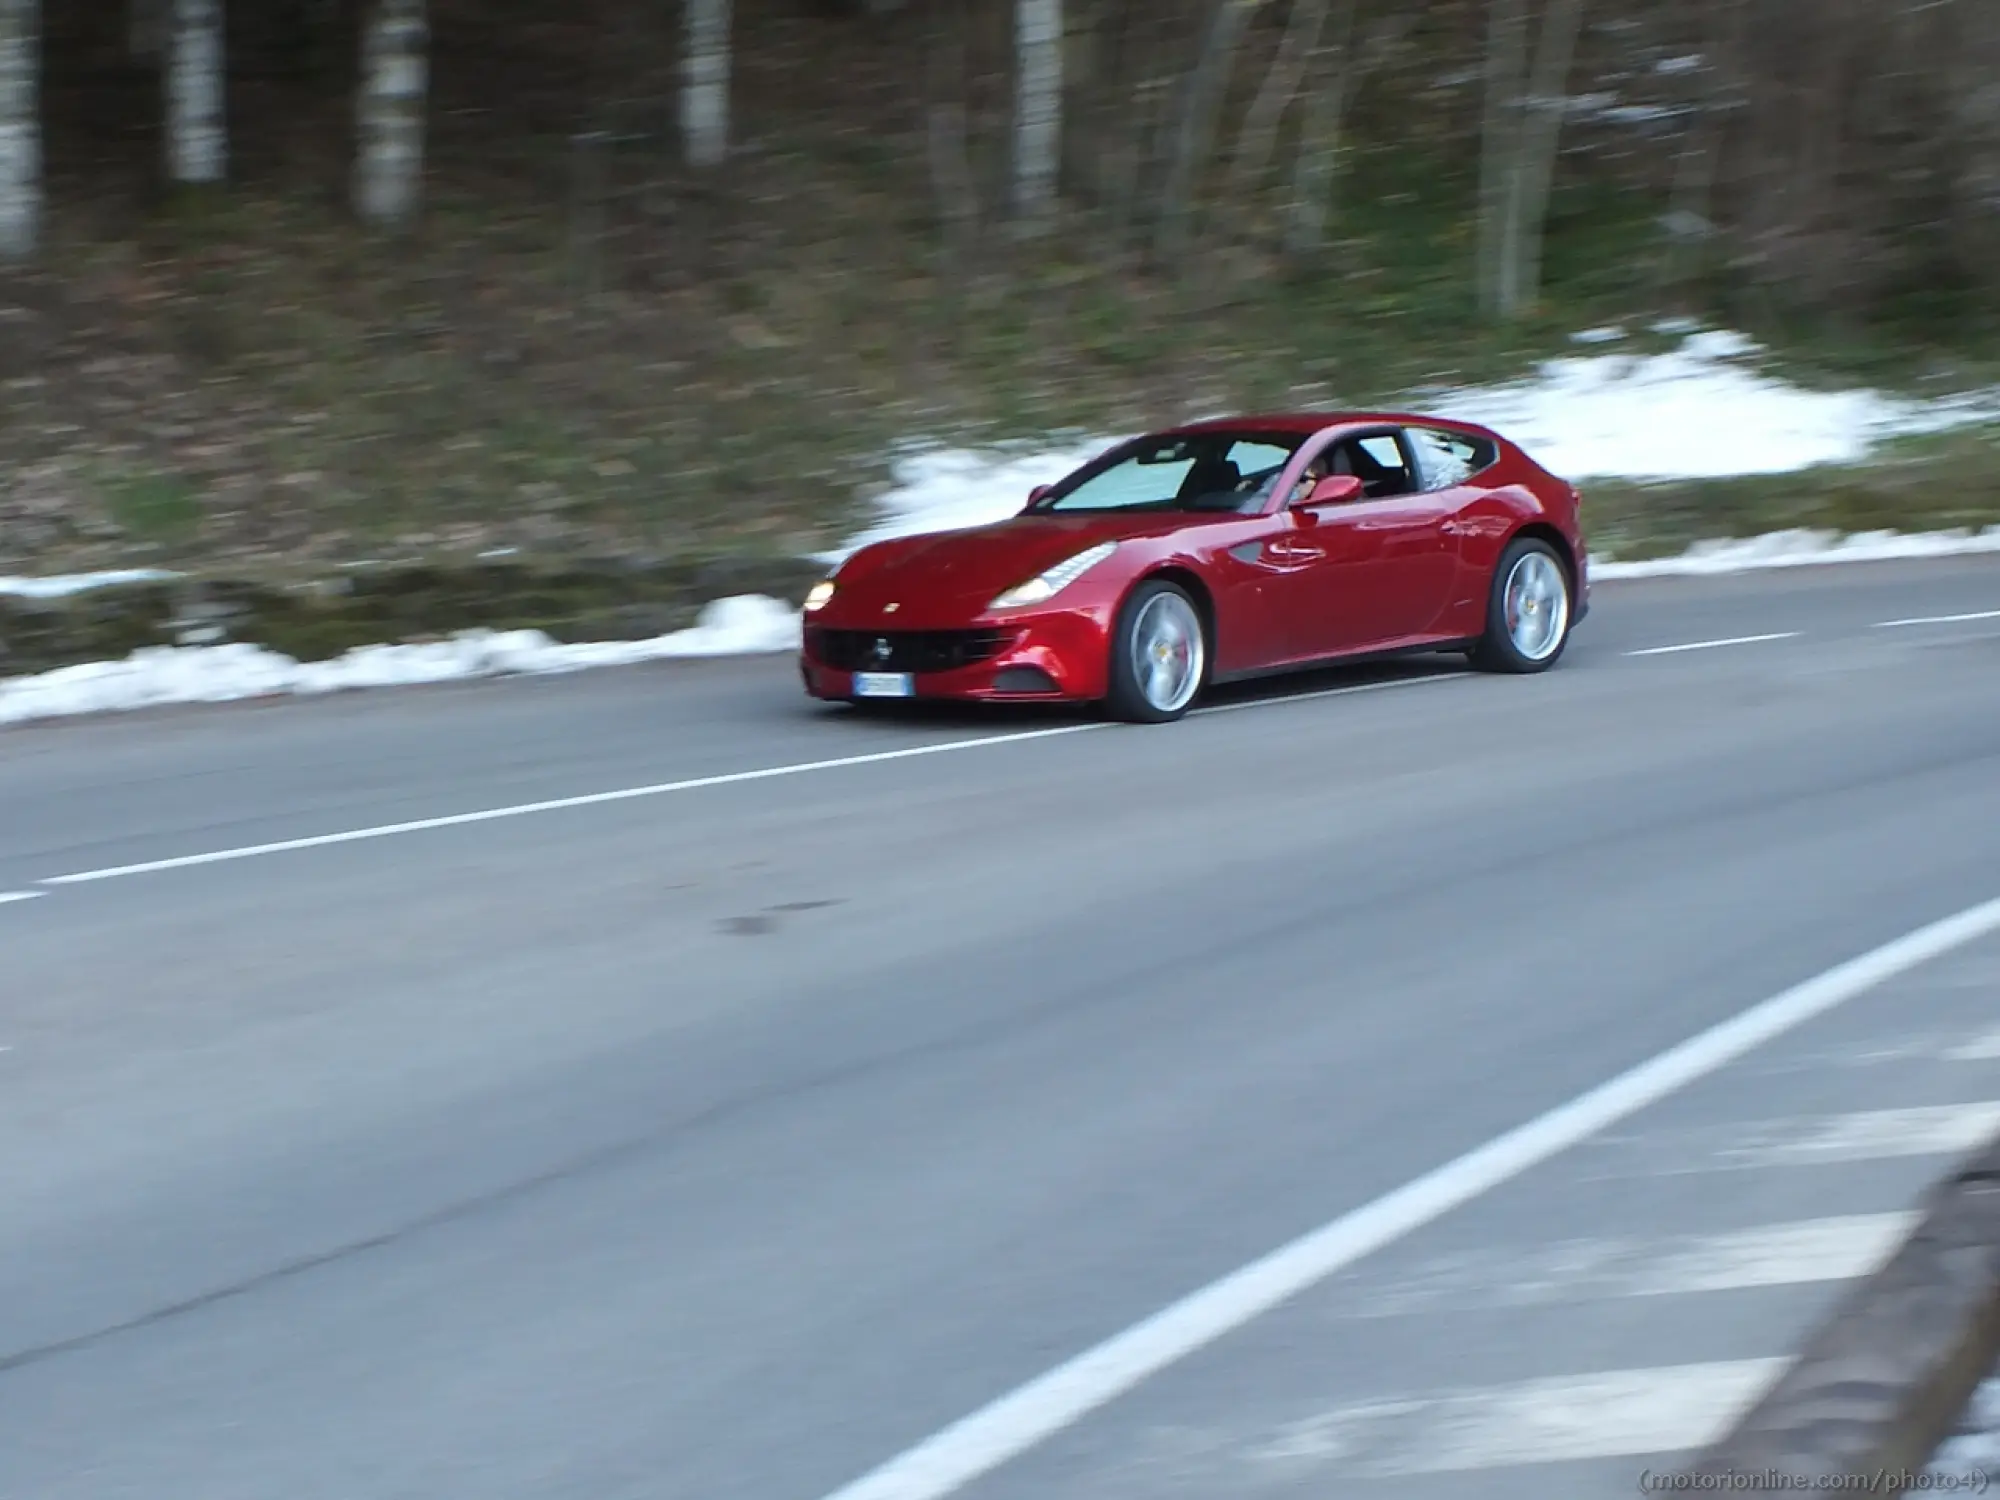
[[705, 83], [1522, 131], [20, 128], [395, 82], [1038, 108], [197, 137]]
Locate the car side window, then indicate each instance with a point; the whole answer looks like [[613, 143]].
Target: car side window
[[1378, 461], [1448, 458]]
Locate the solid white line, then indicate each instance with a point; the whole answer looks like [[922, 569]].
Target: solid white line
[[1984, 614], [660, 789], [1735, 640], [7, 896], [1562, 1419], [1018, 1421]]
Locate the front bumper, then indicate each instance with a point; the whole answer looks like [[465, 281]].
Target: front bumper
[[1048, 658]]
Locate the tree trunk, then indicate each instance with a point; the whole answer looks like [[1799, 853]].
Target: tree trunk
[[950, 162], [1038, 31], [144, 24], [1196, 141], [1500, 147], [705, 83], [20, 128], [197, 135], [1319, 144], [395, 82], [1541, 139], [1259, 135]]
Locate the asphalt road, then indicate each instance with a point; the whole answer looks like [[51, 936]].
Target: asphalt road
[[728, 1138]]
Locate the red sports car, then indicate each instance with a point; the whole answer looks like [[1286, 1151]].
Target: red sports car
[[1217, 551]]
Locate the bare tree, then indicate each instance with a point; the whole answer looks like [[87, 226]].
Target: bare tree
[[705, 82], [20, 128], [1319, 141], [197, 134], [1038, 109], [395, 83], [1523, 127], [1287, 74], [945, 133], [1195, 142]]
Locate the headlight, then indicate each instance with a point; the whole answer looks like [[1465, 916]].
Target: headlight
[[1055, 580], [819, 594]]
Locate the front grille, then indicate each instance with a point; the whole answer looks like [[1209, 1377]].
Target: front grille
[[906, 650]]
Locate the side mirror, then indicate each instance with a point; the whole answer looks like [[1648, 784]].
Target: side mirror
[[1335, 489], [1035, 495]]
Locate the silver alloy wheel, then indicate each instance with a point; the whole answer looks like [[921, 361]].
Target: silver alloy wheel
[[1168, 653], [1537, 605]]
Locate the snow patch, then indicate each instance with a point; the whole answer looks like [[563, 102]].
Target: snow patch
[[1701, 411], [64, 585], [1798, 549], [162, 675]]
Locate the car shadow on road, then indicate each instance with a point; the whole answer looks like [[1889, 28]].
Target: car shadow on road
[[1005, 718]]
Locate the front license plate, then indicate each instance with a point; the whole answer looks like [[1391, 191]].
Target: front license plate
[[884, 685]]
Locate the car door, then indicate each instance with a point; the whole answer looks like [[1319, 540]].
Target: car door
[[1372, 572]]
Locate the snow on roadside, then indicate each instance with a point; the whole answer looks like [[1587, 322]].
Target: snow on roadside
[[1701, 410], [1799, 549], [76, 583], [162, 675]]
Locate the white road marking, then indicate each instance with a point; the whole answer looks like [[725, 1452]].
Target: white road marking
[[1980, 1049], [664, 788], [1735, 640], [1018, 1421], [1612, 1414], [1984, 614], [10, 896], [1876, 1135], [1807, 1140], [1800, 1253]]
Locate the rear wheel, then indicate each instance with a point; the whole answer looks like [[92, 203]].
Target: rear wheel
[[1159, 655], [1527, 610]]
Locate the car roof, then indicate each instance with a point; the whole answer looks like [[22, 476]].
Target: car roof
[[1306, 423]]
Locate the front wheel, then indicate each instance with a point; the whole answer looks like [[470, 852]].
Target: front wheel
[[1527, 610], [1159, 655]]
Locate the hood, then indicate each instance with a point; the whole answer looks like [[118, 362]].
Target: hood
[[958, 573]]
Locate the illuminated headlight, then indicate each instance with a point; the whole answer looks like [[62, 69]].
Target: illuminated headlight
[[1055, 580], [819, 594]]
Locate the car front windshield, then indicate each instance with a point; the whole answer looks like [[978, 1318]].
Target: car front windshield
[[1215, 471]]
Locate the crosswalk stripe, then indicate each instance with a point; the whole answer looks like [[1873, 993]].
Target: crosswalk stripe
[[1799, 1141], [1612, 1414], [1798, 1253], [1983, 1048]]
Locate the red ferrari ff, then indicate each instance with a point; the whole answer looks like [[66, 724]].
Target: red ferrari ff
[[1212, 552]]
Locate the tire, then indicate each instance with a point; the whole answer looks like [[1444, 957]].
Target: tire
[[1529, 610], [1158, 623]]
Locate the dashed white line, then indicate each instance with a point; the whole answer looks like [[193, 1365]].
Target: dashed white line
[[7, 897], [977, 1444], [1734, 640], [664, 788], [1984, 614]]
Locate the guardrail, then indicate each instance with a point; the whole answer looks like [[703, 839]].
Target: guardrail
[[1880, 1383]]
